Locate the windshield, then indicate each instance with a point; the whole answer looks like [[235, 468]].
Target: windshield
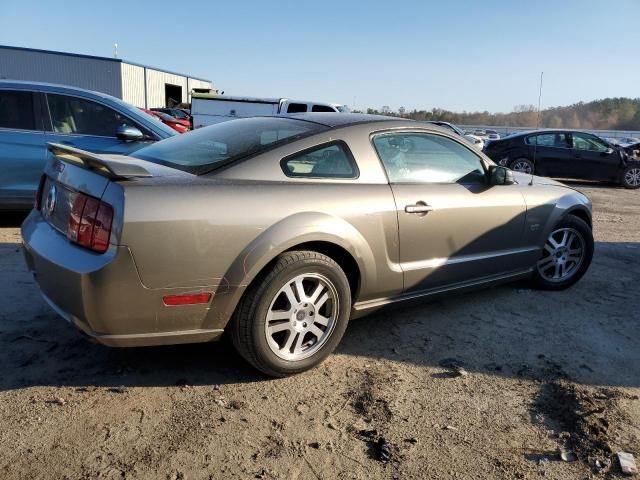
[[134, 112], [343, 109], [208, 148], [177, 113]]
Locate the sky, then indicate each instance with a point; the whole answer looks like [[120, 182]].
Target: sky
[[459, 55]]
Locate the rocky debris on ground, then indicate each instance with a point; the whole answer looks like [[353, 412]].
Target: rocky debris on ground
[[627, 463], [455, 367], [583, 418], [568, 455], [120, 389]]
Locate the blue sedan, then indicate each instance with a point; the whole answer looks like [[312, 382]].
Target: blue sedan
[[33, 114]]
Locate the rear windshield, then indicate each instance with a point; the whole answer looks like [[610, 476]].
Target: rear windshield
[[208, 148]]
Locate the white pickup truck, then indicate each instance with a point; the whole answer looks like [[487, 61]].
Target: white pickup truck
[[209, 108]]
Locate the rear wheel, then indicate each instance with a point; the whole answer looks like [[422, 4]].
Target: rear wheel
[[295, 316], [566, 255], [523, 165], [631, 177]]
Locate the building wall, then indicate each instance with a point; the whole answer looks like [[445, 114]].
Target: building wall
[[112, 76], [156, 81], [193, 83], [133, 84], [102, 75]]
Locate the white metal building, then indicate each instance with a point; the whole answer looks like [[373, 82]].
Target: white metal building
[[140, 85]]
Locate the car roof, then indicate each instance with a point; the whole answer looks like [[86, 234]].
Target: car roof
[[53, 87], [549, 130], [333, 120]]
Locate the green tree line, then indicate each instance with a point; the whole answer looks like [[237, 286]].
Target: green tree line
[[606, 114]]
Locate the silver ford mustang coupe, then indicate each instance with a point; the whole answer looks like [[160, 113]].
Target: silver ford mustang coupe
[[278, 230]]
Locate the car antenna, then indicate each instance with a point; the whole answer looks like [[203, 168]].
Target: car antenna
[[535, 147]]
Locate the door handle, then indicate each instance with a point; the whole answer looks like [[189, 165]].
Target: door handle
[[419, 207]]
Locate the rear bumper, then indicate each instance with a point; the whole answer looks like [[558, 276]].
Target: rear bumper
[[102, 295]]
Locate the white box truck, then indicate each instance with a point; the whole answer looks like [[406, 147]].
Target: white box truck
[[210, 108]]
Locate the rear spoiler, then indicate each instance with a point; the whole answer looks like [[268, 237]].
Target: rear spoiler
[[109, 165]]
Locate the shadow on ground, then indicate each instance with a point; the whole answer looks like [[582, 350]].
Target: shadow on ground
[[587, 334], [12, 220]]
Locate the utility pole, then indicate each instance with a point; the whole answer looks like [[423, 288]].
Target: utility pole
[[539, 99]]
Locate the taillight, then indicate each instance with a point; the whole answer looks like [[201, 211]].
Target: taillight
[[90, 223], [38, 203]]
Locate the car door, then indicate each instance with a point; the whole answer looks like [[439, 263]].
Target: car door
[[22, 148], [592, 159], [454, 228], [88, 125], [550, 153]]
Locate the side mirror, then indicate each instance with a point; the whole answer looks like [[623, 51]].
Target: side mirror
[[129, 134], [499, 175], [609, 151]]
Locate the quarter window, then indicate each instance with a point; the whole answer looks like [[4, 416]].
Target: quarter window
[[428, 158], [329, 161], [16, 110], [558, 140], [77, 115], [297, 108]]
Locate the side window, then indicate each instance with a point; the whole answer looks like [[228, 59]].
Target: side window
[[428, 158], [16, 110], [586, 142], [558, 140], [322, 108], [328, 161], [297, 108], [77, 115]]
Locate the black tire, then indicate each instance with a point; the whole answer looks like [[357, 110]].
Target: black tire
[[580, 226], [630, 177], [522, 160], [247, 326]]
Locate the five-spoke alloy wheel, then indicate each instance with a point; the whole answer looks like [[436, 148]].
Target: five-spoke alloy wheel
[[566, 254], [631, 177], [563, 255], [301, 316], [294, 315]]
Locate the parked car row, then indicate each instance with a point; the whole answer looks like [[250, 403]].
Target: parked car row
[[179, 125], [566, 154], [486, 134], [34, 114], [179, 113], [474, 140]]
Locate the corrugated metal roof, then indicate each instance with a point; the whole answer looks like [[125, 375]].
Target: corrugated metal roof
[[93, 57]]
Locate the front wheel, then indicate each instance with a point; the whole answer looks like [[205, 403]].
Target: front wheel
[[566, 255], [294, 316], [631, 177]]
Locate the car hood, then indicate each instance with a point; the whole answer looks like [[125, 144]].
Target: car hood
[[525, 178]]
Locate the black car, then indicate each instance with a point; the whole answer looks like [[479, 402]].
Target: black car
[[633, 149], [566, 154]]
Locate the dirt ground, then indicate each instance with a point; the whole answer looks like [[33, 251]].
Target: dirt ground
[[492, 384]]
